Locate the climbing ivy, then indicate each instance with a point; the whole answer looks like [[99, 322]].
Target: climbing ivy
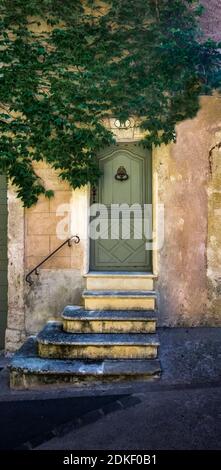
[[66, 65]]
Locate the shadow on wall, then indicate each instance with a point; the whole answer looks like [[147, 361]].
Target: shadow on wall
[[3, 259], [50, 293]]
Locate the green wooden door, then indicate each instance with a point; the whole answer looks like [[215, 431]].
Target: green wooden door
[[3, 259], [126, 182]]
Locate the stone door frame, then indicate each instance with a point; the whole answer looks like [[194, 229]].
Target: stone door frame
[[81, 200]]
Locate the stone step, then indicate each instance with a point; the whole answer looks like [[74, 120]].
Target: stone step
[[29, 371], [53, 342], [78, 320], [119, 300], [119, 281]]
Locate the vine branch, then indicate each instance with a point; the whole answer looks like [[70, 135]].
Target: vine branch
[[217, 146]]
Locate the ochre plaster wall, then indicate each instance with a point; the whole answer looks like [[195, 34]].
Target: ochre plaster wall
[[60, 281], [186, 188]]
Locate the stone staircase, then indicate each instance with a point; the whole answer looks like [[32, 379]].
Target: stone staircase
[[112, 337]]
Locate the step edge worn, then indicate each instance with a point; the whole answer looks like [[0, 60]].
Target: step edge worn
[[88, 294], [150, 341], [110, 316]]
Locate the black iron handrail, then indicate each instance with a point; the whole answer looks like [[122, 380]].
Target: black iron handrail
[[28, 278]]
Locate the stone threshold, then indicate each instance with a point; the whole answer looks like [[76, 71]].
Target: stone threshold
[[121, 274]]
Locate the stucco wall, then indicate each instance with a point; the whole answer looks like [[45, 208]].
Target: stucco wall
[[211, 19], [186, 188], [3, 259], [15, 333], [214, 232], [60, 281]]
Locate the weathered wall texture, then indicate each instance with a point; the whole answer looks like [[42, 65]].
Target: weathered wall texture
[[186, 189], [3, 259], [214, 232], [15, 333], [211, 20], [190, 187], [60, 281]]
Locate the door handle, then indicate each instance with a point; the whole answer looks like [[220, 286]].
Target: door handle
[[121, 174]]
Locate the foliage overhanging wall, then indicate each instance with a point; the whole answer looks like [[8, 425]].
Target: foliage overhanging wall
[[67, 65]]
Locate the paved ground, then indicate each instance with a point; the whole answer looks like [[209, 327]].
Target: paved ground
[[25, 424], [178, 419], [181, 411]]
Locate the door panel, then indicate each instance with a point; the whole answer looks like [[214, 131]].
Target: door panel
[[121, 243], [117, 192]]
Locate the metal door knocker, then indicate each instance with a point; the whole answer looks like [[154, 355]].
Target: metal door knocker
[[121, 174]]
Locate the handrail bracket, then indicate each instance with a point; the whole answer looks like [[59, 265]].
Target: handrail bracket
[[35, 270]]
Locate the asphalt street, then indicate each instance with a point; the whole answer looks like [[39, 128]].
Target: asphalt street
[[29, 423], [182, 410]]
